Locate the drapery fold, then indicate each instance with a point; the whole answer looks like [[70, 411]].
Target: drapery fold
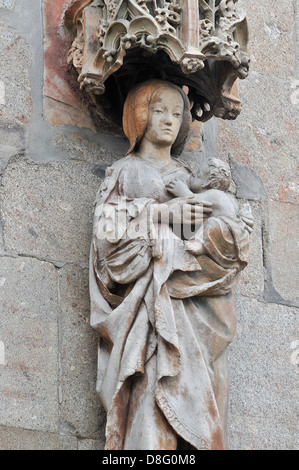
[[173, 314]]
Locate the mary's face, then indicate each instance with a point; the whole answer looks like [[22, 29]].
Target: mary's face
[[165, 117]]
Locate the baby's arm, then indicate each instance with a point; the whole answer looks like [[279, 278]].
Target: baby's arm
[[178, 188], [223, 203]]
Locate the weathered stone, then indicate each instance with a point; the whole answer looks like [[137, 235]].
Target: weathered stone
[[29, 331], [23, 439], [15, 63], [103, 152], [270, 48], [2, 353], [60, 114], [252, 278], [284, 249], [295, 38], [136, 380], [62, 104], [7, 4], [248, 184], [80, 411], [188, 33], [264, 378], [47, 209], [2, 93], [265, 141], [12, 143], [1, 238], [88, 444], [194, 140]]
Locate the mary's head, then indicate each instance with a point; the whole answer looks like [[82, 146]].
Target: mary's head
[[158, 111]]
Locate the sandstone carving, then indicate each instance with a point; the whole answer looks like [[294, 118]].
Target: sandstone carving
[[198, 43], [169, 243]]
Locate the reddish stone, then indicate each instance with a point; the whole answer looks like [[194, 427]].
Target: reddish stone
[[194, 142], [64, 101]]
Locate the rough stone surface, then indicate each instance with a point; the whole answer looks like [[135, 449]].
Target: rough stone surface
[[264, 378], [62, 103], [80, 411], [48, 209], [251, 282], [7, 3], [270, 27], [88, 444], [12, 144], [285, 249], [82, 148], [266, 142], [15, 62], [22, 439], [2, 249], [29, 331]]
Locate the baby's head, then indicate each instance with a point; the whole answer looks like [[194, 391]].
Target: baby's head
[[215, 175]]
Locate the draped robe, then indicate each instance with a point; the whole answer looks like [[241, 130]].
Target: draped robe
[[164, 316]]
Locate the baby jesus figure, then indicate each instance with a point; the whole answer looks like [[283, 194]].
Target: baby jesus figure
[[210, 184]]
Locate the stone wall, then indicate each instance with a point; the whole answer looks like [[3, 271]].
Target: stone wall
[[51, 163]]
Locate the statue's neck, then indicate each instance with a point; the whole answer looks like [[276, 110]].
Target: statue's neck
[[158, 152]]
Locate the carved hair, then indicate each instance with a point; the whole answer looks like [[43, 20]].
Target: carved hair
[[219, 175], [135, 114]]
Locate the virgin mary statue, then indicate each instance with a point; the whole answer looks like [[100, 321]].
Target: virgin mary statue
[[164, 316]]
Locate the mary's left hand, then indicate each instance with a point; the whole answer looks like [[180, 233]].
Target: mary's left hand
[[207, 207]]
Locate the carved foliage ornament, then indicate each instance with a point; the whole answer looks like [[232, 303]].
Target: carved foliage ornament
[[198, 43]]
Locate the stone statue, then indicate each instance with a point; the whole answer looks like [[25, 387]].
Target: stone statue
[[168, 246]]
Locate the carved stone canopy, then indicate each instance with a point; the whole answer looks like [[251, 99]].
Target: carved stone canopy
[[200, 44]]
